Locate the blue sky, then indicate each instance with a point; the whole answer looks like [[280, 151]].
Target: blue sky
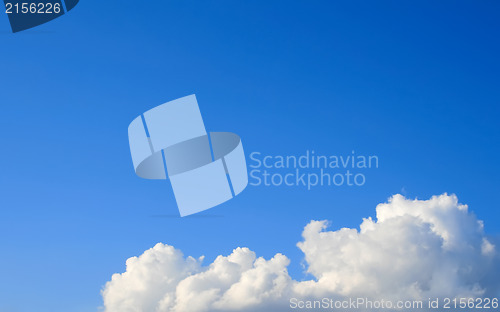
[[415, 83]]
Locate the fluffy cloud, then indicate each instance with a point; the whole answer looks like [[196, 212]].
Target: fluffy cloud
[[416, 249]]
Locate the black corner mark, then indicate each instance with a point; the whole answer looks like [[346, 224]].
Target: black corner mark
[[26, 14]]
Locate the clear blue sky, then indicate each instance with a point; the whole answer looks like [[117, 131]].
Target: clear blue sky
[[416, 83]]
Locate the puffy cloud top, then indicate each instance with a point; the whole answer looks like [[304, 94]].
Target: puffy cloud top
[[416, 249]]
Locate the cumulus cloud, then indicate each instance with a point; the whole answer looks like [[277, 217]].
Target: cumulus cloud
[[415, 249]]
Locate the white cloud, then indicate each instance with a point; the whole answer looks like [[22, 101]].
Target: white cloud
[[149, 279], [416, 249]]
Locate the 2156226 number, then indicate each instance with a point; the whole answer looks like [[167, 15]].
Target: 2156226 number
[[470, 303], [33, 8]]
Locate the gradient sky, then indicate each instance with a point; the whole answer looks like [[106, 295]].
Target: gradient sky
[[415, 83]]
